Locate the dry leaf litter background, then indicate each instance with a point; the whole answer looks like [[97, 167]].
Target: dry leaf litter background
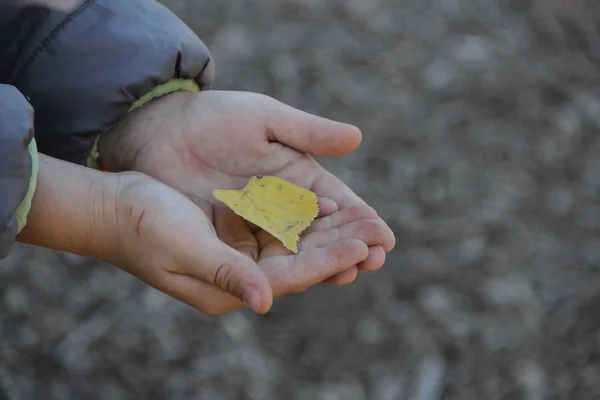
[[482, 150]]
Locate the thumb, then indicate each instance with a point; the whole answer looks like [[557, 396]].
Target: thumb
[[309, 133], [233, 272]]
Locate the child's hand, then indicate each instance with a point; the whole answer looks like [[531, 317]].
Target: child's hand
[[144, 227], [168, 242], [198, 142], [163, 239]]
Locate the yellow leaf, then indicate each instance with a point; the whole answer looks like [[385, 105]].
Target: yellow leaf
[[274, 204]]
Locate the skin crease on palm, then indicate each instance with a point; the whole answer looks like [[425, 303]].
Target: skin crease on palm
[[198, 142]]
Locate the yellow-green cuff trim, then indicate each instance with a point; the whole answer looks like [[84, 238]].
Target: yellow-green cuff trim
[[171, 86], [23, 209]]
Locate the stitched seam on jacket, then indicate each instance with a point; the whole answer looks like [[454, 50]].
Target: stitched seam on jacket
[[48, 39], [204, 69], [208, 84]]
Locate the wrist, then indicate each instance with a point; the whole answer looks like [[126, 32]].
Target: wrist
[[103, 228], [117, 148], [73, 210]]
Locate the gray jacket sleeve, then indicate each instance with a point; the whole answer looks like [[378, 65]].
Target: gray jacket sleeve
[[80, 64], [16, 132], [83, 63]]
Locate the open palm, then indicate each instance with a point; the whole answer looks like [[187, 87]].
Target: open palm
[[198, 142]]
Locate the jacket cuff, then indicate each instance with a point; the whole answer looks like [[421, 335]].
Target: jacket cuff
[[171, 86], [23, 209], [82, 66], [18, 158]]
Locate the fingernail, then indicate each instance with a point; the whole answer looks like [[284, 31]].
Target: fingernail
[[252, 299]]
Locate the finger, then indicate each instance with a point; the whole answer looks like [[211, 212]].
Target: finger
[[233, 231], [343, 278], [373, 232], [374, 261], [309, 133], [342, 217], [326, 207], [199, 294], [327, 185], [289, 274], [265, 239], [216, 263]]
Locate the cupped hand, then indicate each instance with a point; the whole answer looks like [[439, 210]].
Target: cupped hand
[[198, 142], [164, 239]]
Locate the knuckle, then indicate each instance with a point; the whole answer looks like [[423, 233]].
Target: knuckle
[[359, 211], [223, 276], [339, 253], [246, 247], [377, 229], [335, 234], [369, 211]]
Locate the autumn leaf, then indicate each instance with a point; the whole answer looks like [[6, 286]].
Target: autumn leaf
[[274, 204]]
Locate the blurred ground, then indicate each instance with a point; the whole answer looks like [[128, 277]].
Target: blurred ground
[[481, 149]]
